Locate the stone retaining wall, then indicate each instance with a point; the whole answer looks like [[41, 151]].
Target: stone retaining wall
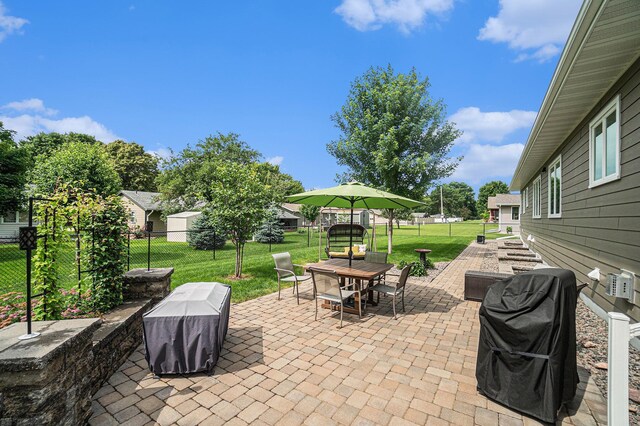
[[50, 380], [147, 284]]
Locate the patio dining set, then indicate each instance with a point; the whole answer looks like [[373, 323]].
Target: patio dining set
[[345, 286]]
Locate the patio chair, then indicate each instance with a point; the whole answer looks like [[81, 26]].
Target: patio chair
[[285, 269], [394, 288], [377, 257], [326, 284]]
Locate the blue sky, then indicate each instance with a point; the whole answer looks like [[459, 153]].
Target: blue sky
[[165, 74]]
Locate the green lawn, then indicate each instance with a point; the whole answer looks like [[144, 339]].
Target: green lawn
[[191, 265]]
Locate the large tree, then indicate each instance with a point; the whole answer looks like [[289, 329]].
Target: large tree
[[44, 145], [282, 183], [13, 167], [177, 182], [81, 165], [490, 189], [393, 135], [137, 169], [458, 199]]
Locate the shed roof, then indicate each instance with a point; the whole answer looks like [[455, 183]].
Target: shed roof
[[144, 200]]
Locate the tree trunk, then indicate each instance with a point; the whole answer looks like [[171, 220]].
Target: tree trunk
[[237, 270], [390, 232]]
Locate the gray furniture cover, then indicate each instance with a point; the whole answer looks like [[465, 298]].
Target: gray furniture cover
[[184, 333]]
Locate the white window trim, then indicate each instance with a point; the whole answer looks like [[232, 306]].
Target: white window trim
[[523, 200], [549, 214], [613, 105], [519, 213], [537, 181]]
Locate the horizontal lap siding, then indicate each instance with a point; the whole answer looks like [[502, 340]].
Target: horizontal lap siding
[[600, 227]]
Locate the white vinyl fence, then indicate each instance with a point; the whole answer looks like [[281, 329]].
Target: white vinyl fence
[[620, 332]]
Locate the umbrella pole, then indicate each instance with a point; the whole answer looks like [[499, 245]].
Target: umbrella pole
[[351, 236]]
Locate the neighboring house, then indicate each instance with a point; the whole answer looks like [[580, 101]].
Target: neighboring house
[[11, 222], [505, 209], [178, 224], [290, 216], [143, 207], [579, 172], [493, 209]]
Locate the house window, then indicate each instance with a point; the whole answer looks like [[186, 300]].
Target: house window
[[23, 217], [10, 217], [604, 145], [515, 213], [523, 199], [536, 198], [132, 217], [555, 188]]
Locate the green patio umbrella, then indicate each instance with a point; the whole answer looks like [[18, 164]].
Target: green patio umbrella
[[353, 195]]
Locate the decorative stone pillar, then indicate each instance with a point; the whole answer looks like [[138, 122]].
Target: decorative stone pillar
[[47, 380], [140, 283]]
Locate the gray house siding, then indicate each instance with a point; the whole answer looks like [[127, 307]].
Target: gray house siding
[[600, 226]]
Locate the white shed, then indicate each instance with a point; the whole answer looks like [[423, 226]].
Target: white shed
[[178, 224]]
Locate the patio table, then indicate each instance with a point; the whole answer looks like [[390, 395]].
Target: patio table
[[361, 272]]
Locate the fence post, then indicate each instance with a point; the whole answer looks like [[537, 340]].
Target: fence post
[[270, 236], [618, 363], [449, 228], [149, 228], [214, 244], [484, 228], [386, 229], [308, 236], [128, 251], [418, 228]]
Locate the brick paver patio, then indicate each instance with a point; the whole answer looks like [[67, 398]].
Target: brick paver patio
[[280, 367]]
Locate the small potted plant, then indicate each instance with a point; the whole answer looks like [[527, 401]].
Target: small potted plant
[[509, 230]]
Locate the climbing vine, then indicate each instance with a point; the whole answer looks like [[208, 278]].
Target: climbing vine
[[105, 242], [101, 225], [52, 218]]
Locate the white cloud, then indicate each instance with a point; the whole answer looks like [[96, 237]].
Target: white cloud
[[163, 153], [276, 161], [536, 29], [9, 24], [38, 120], [490, 126], [367, 15], [33, 104], [483, 162]]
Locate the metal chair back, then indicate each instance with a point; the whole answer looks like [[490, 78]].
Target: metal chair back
[[404, 275], [375, 257], [326, 282], [283, 263]]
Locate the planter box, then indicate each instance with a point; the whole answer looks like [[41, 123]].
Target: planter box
[[476, 283]]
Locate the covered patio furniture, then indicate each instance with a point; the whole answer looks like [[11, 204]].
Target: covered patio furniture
[[184, 333], [286, 273], [527, 345], [326, 284], [394, 289]]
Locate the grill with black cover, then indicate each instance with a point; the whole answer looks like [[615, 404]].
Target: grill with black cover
[[527, 348], [185, 332]]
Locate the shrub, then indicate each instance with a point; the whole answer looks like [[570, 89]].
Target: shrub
[[418, 269], [509, 229], [204, 235]]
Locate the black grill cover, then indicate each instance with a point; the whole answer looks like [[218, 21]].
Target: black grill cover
[[184, 333], [527, 348]]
